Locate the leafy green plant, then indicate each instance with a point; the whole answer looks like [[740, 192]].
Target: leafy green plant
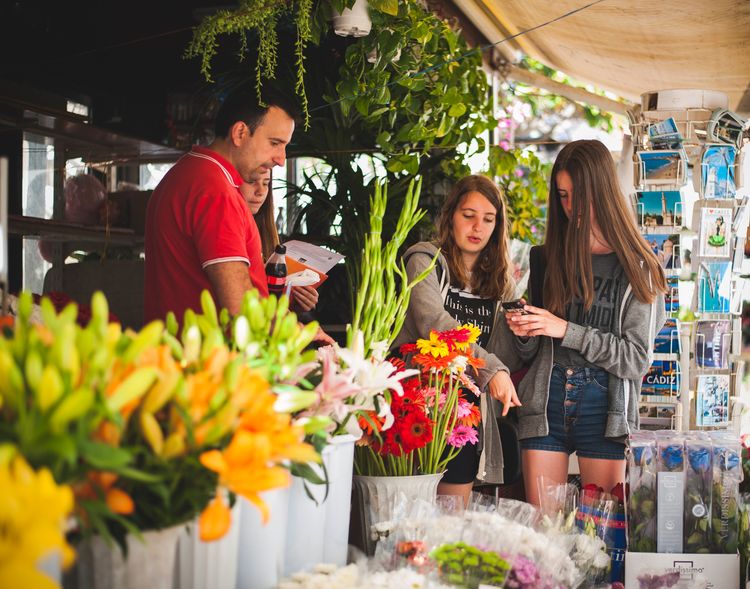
[[382, 301], [416, 87], [262, 18], [523, 180]]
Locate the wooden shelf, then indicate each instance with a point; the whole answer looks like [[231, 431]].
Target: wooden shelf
[[71, 232]]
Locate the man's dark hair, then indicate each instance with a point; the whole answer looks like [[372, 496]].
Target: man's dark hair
[[242, 105]]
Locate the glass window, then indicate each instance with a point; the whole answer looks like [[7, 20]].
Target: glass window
[[37, 200]]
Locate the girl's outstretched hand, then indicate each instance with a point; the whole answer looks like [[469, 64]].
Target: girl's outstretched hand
[[501, 388], [536, 321]]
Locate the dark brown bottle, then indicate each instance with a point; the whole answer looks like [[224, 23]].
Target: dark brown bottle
[[276, 271]]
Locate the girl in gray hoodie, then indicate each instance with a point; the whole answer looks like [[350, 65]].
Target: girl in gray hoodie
[[471, 278], [589, 333]]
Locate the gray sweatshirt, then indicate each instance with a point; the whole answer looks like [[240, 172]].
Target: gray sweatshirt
[[626, 353], [426, 312]]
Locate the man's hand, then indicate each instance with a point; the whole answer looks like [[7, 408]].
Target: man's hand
[[304, 298], [501, 388]]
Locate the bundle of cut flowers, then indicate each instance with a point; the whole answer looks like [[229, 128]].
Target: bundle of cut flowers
[[149, 430], [430, 416], [32, 512], [602, 515], [642, 472]]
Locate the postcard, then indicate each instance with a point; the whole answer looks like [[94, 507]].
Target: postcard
[[717, 171], [725, 127], [661, 167], [667, 249], [713, 340], [661, 380], [656, 208], [665, 135], [672, 297], [714, 287], [668, 339], [713, 237], [712, 400], [662, 415]]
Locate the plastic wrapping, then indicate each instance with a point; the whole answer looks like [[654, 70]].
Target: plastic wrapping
[[727, 475], [641, 507], [670, 491], [698, 494]]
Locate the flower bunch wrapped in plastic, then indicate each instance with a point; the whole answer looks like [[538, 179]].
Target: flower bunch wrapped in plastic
[[463, 565], [671, 475], [430, 417], [727, 474], [642, 469], [602, 515], [698, 494]]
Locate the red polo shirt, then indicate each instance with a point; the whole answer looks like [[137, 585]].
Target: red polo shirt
[[196, 217]]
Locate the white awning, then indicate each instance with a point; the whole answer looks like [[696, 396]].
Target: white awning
[[630, 46]]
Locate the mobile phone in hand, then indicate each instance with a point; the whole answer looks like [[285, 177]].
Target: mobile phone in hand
[[514, 307]]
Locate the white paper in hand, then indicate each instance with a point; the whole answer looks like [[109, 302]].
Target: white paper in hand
[[306, 277]]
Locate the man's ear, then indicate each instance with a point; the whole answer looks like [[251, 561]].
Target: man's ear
[[238, 133]]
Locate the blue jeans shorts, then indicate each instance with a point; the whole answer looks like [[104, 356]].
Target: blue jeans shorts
[[577, 415]]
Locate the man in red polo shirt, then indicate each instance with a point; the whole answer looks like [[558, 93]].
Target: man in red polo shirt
[[199, 233]]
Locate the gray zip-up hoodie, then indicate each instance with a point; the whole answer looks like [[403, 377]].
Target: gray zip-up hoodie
[[626, 354], [427, 312]]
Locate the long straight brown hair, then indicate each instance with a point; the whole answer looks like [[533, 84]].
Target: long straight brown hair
[[264, 219], [567, 242], [491, 275]]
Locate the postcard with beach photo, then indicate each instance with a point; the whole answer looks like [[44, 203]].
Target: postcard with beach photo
[[713, 340], [666, 248], [717, 171], [659, 208], [668, 339], [661, 167], [664, 135], [662, 380], [712, 400], [714, 287], [713, 237]]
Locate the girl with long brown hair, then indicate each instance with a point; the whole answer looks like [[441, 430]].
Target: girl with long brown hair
[[590, 328], [259, 199], [472, 276]]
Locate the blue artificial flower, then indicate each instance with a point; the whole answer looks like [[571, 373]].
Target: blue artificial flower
[[672, 457], [728, 458], [700, 459], [642, 455]]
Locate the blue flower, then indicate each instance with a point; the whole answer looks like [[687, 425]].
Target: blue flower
[[672, 457], [643, 455], [700, 459], [728, 458]]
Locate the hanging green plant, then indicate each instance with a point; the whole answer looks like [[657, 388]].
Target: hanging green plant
[[262, 18]]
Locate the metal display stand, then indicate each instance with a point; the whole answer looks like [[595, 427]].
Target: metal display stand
[[675, 147]]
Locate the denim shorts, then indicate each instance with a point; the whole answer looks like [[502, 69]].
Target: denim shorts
[[577, 415]]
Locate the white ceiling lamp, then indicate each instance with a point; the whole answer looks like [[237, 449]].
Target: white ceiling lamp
[[353, 22]]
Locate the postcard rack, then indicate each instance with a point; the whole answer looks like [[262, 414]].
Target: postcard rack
[[696, 368]]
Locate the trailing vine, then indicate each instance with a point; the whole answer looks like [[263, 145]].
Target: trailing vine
[[261, 17]]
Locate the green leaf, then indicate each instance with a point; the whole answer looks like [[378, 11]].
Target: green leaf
[[386, 6], [103, 456], [139, 475], [457, 110]]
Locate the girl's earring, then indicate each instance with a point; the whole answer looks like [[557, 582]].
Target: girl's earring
[[578, 225]]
